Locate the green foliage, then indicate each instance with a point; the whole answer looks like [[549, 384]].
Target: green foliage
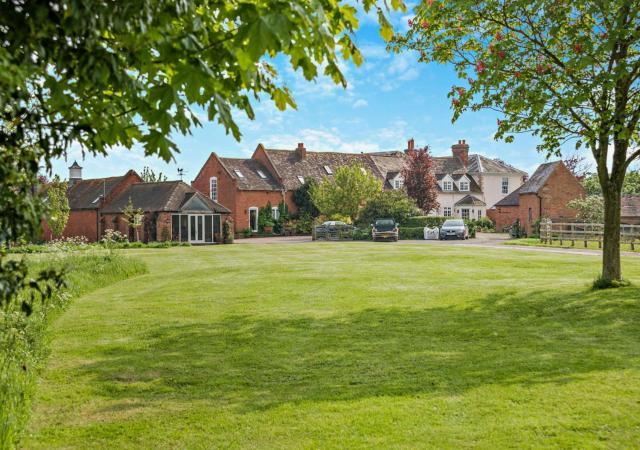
[[265, 217], [57, 206], [149, 175], [424, 221], [134, 217], [246, 232], [411, 233], [631, 185], [362, 234], [485, 224], [302, 198], [589, 209], [304, 223], [392, 203], [345, 194], [227, 232], [604, 283], [23, 340]]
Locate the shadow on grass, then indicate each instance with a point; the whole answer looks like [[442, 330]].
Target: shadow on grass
[[253, 363]]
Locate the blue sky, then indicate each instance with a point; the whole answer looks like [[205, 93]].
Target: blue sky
[[389, 99]]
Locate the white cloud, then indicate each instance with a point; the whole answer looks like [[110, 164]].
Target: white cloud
[[360, 103]]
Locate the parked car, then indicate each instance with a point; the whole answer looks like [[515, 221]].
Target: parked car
[[454, 228], [384, 229]]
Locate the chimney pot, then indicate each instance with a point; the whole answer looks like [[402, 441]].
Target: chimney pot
[[461, 151]]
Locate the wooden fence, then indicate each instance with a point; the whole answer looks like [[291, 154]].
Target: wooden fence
[[585, 232]]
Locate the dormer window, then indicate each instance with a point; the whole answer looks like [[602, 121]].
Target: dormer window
[[464, 185], [447, 186], [301, 179], [398, 183], [261, 174], [328, 170], [238, 173]]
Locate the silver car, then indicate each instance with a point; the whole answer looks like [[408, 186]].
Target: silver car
[[454, 229]]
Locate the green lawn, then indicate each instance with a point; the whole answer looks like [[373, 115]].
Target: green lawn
[[349, 345], [535, 242]]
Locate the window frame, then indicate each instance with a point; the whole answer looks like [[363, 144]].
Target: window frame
[[275, 212], [446, 183], [466, 183], [328, 170], [504, 185], [257, 210], [238, 173], [211, 190], [447, 211], [300, 179]]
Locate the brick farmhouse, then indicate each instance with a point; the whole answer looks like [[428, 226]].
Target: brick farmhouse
[[467, 184], [544, 195], [173, 210]]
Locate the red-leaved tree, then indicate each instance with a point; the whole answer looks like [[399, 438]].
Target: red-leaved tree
[[419, 179]]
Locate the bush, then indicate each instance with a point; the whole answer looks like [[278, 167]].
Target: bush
[[485, 224], [424, 221], [411, 233], [392, 204], [304, 224], [23, 343], [111, 237], [247, 232], [362, 234]]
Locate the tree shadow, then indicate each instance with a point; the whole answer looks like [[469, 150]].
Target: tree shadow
[[252, 363]]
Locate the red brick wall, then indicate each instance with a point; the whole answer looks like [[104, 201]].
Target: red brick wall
[[226, 184], [82, 223], [529, 201], [163, 223], [552, 199], [247, 199], [503, 216]]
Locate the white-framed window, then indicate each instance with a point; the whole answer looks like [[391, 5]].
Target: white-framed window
[[238, 173], [253, 218], [447, 186], [328, 170], [464, 185], [213, 188], [505, 185], [275, 212], [301, 179], [465, 213], [398, 183], [446, 212], [261, 174], [479, 214]]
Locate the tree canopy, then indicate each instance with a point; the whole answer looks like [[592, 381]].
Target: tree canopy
[[564, 71], [419, 179], [346, 193]]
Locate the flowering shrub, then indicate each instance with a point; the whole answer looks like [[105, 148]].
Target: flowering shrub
[[111, 237], [67, 244]]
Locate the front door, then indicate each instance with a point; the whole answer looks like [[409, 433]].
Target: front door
[[196, 229], [465, 213]]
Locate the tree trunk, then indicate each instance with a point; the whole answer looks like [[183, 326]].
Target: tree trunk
[[611, 270]]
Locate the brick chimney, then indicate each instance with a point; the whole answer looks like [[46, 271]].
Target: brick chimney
[[410, 146], [301, 151], [461, 151]]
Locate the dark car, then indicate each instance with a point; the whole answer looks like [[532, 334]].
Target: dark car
[[454, 228], [384, 229]]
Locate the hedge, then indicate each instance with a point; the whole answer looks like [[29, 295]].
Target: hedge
[[424, 221], [411, 232]]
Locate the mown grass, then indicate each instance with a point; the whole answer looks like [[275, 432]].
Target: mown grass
[[23, 340], [591, 245], [347, 345]]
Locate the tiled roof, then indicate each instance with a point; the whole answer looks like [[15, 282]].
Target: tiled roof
[[290, 166], [250, 180], [470, 200], [630, 206], [479, 163], [539, 178], [163, 196], [513, 199], [389, 164], [83, 194], [447, 165]]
